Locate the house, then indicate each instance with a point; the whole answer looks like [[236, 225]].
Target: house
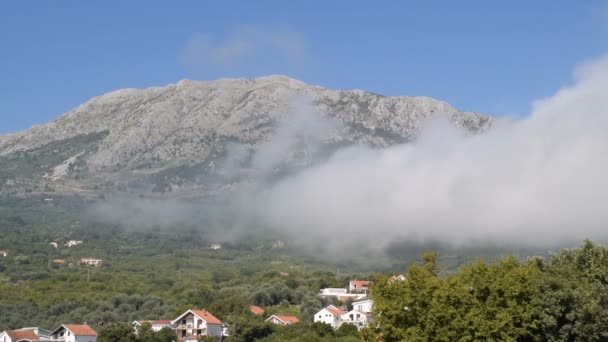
[[357, 318], [3, 253], [23, 335], [73, 243], [256, 310], [195, 323], [91, 262], [364, 305], [358, 285], [58, 261], [216, 246], [74, 333], [329, 315], [54, 244], [341, 294], [396, 278], [282, 320], [42, 333], [155, 325], [332, 292], [351, 296]]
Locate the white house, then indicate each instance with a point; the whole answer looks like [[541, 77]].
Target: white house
[[195, 323], [73, 243], [356, 318], [216, 246], [352, 296], [341, 294], [282, 320], [396, 278], [358, 285], [332, 292], [54, 244], [155, 325], [18, 335], [329, 315], [91, 262], [3, 253], [74, 333], [364, 305]]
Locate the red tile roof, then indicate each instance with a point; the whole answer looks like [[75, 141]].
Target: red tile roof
[[16, 335], [359, 284], [256, 310], [206, 316], [334, 311], [288, 319], [80, 329]]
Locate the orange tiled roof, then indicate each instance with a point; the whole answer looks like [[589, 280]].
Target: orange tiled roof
[[288, 319], [207, 316], [80, 329], [360, 283], [256, 310], [334, 311], [22, 335]]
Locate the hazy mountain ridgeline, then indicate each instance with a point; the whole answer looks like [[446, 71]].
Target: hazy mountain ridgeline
[[195, 138]]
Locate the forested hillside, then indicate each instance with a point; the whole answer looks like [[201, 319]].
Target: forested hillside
[[157, 273]]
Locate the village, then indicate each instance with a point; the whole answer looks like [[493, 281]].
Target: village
[[195, 323]]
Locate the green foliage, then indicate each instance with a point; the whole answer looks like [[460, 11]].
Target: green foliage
[[250, 329], [117, 332], [347, 330], [565, 299], [124, 332]]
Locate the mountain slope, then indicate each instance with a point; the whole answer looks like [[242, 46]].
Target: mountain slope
[[175, 138]]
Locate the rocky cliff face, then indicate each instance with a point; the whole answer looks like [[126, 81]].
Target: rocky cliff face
[[177, 138]]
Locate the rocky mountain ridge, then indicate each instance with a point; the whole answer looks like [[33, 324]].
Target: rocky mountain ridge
[[164, 139]]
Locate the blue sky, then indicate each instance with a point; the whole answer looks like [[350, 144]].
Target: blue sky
[[490, 56]]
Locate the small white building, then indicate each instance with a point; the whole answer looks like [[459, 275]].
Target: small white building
[[358, 285], [91, 262], [364, 305], [396, 278], [3, 253], [282, 319], [54, 244], [356, 318], [74, 333], [73, 243], [330, 315], [193, 324], [332, 292], [156, 326], [341, 294], [216, 246]]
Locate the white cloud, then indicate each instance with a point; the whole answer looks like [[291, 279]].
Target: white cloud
[[539, 180]]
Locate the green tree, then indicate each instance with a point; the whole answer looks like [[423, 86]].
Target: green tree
[[117, 332], [347, 330], [250, 329]]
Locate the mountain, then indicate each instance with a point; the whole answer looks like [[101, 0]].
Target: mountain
[[177, 139]]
